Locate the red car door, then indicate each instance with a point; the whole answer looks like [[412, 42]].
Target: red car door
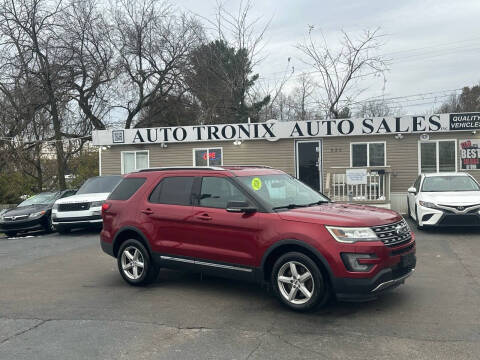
[[222, 236]]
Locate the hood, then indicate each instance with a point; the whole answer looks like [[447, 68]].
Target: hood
[[342, 214], [25, 210], [83, 198], [452, 197]]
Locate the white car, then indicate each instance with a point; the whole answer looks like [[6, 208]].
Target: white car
[[444, 199], [85, 207]]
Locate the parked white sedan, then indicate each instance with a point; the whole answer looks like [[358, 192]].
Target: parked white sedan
[[444, 199]]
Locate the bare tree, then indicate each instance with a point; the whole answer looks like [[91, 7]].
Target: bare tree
[[92, 62], [153, 46], [341, 69], [374, 108]]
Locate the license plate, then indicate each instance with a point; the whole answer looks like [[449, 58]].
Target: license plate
[[408, 260]]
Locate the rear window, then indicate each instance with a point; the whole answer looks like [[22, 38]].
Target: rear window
[[127, 188], [173, 191]]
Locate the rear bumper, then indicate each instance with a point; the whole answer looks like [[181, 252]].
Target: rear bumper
[[107, 247], [363, 289]]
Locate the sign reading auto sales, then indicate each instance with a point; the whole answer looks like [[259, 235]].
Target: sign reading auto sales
[[275, 130], [470, 154]]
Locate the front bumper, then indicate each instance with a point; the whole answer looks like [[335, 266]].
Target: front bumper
[[349, 289], [445, 217], [77, 218], [393, 265], [23, 225]]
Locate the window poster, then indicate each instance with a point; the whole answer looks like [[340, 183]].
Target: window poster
[[470, 154]]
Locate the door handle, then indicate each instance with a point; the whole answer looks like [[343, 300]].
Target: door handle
[[204, 217], [147, 211]]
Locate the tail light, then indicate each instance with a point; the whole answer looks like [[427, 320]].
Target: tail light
[[105, 207]]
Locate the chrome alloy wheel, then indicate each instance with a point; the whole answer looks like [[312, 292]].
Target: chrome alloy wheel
[[132, 263], [295, 282]]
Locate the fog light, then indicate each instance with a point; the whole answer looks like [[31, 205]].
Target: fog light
[[352, 264]]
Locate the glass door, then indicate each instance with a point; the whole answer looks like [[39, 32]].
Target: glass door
[[309, 163]]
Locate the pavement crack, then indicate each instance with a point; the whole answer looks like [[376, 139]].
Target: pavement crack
[[24, 331]]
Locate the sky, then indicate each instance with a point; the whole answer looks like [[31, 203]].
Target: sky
[[434, 45]]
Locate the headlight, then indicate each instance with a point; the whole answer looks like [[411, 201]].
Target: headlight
[[37, 214], [96, 204], [427, 204], [351, 235], [55, 206]]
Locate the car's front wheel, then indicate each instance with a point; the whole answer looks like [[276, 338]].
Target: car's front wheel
[[11, 233], [62, 229], [417, 219], [298, 282], [135, 264]]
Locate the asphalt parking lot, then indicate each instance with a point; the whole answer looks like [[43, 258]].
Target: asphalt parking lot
[[62, 298]]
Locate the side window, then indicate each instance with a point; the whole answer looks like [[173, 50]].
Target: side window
[[126, 188], [175, 190], [216, 192]]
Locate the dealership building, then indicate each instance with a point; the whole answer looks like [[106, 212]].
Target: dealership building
[[361, 160]]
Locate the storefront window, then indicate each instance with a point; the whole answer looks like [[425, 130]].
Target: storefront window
[[134, 160], [367, 154], [207, 157], [438, 156]]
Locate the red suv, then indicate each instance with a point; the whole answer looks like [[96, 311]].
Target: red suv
[[255, 223]]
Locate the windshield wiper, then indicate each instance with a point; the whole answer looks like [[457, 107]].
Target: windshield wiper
[[289, 206], [320, 202]]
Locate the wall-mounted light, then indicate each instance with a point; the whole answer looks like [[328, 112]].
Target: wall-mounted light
[[474, 132], [237, 142], [163, 145], [399, 136], [105, 147]]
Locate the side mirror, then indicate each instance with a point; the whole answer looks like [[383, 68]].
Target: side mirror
[[240, 207], [412, 190]]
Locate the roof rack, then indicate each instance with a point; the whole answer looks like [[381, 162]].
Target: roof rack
[[182, 168], [229, 167]]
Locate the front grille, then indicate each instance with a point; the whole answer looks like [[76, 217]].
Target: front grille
[[15, 218], [393, 234], [462, 208], [454, 220], [74, 206]]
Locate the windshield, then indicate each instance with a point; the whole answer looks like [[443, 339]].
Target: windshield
[[282, 191], [42, 198], [449, 183], [100, 184]]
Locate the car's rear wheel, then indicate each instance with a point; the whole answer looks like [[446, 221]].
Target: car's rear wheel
[[298, 282], [135, 264]]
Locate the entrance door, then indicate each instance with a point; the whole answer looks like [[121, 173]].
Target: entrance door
[[309, 162]]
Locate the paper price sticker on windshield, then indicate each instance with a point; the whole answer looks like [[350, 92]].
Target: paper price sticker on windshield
[[256, 184]]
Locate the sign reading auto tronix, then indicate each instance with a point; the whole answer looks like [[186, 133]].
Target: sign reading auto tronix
[[470, 154], [275, 130]]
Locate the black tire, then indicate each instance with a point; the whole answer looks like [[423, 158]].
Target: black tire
[[417, 222], [409, 211], [317, 285], [11, 233], [150, 270], [62, 229], [49, 228]]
